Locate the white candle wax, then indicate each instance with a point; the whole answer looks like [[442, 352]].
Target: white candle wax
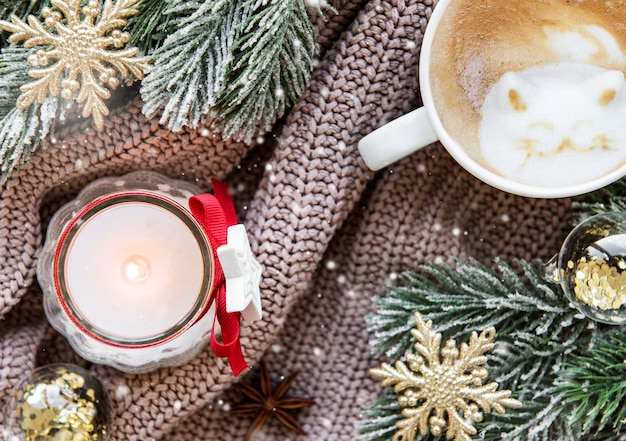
[[132, 269]]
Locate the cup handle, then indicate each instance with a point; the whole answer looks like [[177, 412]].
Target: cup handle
[[397, 139]]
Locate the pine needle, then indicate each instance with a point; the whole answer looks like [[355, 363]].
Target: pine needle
[[238, 62], [188, 70], [270, 69], [595, 383], [13, 74], [151, 26]]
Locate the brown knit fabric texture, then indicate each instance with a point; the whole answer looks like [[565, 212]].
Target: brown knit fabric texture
[[329, 233]]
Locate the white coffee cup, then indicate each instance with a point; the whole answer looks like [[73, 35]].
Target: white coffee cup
[[423, 126]]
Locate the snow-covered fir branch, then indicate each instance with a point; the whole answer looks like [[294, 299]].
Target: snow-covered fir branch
[[21, 131], [270, 69], [14, 69], [239, 62], [538, 336], [189, 69]]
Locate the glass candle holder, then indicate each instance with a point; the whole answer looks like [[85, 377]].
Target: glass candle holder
[[127, 273]]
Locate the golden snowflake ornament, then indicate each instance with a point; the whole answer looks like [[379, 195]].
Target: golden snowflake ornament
[[443, 387], [88, 48]]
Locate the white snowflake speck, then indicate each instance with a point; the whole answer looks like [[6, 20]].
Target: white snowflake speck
[[296, 208], [79, 164], [121, 391]]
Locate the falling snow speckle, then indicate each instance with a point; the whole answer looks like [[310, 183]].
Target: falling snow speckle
[[79, 165], [121, 391]]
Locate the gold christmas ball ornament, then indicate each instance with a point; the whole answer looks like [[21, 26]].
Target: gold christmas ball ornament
[[591, 268], [58, 402]]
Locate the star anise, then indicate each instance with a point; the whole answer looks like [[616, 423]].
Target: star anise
[[267, 401]]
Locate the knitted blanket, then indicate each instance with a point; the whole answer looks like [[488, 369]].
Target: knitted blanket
[[329, 233]]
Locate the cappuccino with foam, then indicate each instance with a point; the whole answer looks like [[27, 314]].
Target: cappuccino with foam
[[534, 90]]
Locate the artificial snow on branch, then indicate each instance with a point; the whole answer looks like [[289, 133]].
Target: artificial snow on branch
[[270, 69], [151, 26], [189, 69], [21, 131], [238, 62]]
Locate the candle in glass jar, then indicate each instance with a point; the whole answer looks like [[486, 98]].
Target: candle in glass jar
[[127, 273], [131, 268]]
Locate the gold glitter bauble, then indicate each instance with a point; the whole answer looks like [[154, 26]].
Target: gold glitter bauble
[[88, 48], [58, 403], [591, 267], [441, 389]]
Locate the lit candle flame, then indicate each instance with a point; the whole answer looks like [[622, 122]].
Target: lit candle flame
[[135, 270]]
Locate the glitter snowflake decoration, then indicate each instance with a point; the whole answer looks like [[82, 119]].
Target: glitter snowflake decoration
[[443, 386], [88, 48]]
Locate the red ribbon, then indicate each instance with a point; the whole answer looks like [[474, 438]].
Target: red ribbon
[[216, 213]]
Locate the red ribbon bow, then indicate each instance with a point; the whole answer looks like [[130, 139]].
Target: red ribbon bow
[[215, 213]]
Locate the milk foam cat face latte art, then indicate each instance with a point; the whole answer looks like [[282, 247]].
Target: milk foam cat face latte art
[[527, 95], [537, 88]]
